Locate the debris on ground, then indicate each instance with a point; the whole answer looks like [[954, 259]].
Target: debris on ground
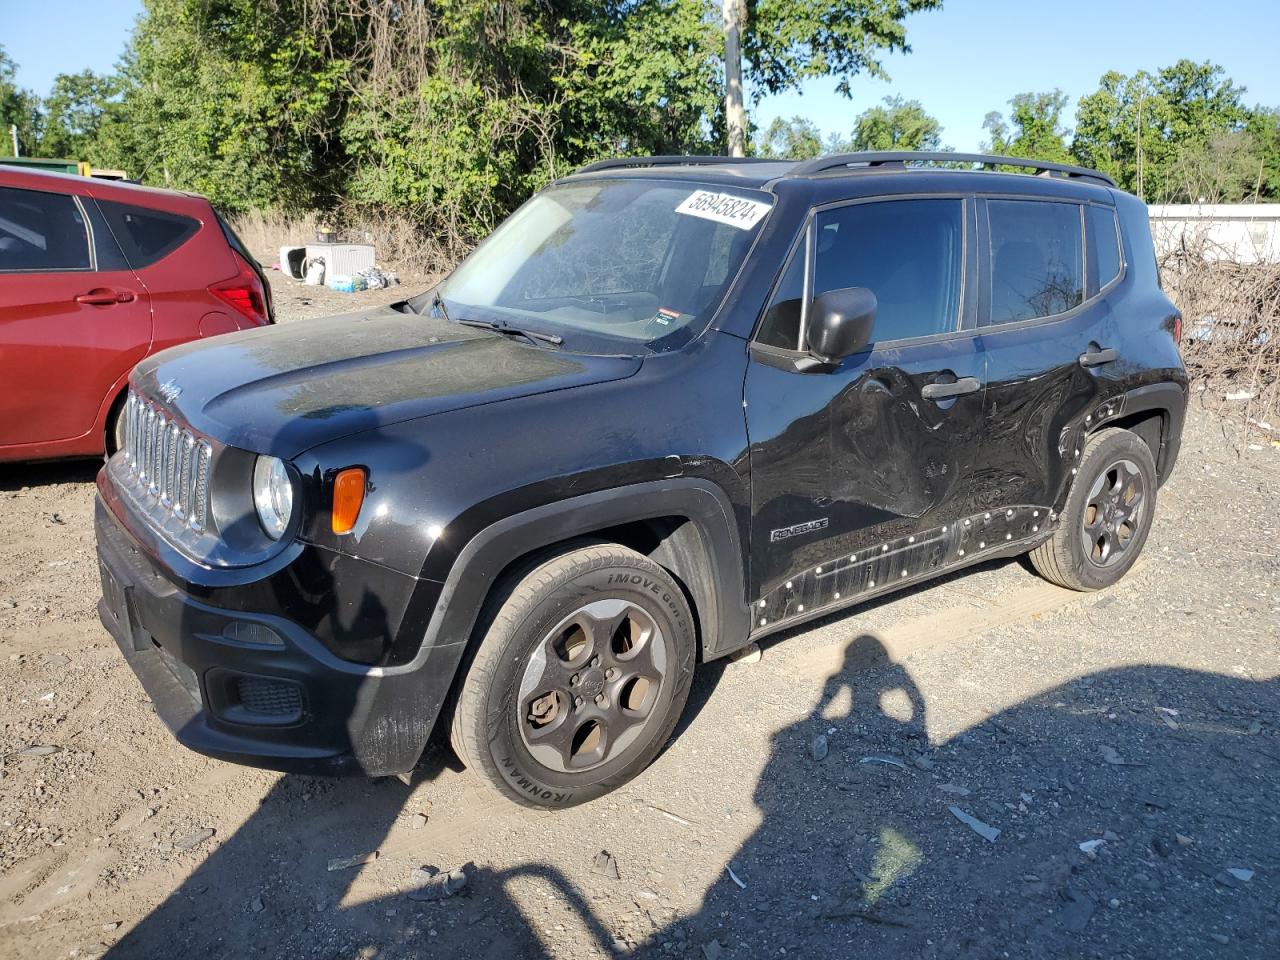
[[676, 818], [432, 884], [818, 747], [257, 906], [1090, 848], [193, 839], [984, 830], [1111, 756], [955, 788], [889, 760], [734, 877], [418, 821], [1183, 840], [342, 863], [39, 750], [1078, 910], [1243, 874], [712, 950], [606, 865]]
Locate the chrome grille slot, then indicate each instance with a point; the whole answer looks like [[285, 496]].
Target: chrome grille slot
[[171, 463]]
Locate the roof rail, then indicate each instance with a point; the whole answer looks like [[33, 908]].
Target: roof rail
[[666, 161], [876, 160]]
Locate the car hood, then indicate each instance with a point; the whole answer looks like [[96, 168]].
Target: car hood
[[283, 389]]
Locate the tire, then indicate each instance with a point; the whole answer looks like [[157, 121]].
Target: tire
[[581, 673], [1105, 521], [114, 439]]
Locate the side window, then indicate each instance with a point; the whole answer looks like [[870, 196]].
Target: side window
[[41, 231], [781, 324], [1037, 265], [145, 235], [909, 253], [1104, 247]]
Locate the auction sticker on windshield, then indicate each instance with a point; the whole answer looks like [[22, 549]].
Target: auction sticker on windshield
[[724, 208]]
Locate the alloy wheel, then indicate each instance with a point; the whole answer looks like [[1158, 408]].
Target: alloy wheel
[[591, 684], [1113, 513]]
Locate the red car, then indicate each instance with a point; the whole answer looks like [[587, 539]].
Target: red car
[[94, 276]]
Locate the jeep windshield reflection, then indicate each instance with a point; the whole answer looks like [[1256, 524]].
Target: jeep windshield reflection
[[639, 260]]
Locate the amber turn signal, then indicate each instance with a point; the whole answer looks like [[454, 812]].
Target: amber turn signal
[[348, 497]]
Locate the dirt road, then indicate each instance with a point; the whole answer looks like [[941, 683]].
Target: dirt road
[[1126, 746]]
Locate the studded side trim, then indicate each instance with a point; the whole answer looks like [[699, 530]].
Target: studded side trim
[[907, 559]]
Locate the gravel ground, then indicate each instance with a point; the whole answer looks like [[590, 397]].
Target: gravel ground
[[1126, 746]]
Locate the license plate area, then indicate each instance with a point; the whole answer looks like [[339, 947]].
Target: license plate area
[[116, 600]]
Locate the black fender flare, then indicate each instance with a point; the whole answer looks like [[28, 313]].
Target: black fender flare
[[484, 557], [1169, 399], [417, 691]]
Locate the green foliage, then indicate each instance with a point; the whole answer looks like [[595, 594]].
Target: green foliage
[[19, 108], [1263, 126], [73, 114], [794, 139], [1034, 129], [1136, 128], [897, 124], [789, 41]]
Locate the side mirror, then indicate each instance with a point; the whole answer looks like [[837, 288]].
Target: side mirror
[[840, 323]]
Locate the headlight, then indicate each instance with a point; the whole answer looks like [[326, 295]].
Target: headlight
[[272, 495]]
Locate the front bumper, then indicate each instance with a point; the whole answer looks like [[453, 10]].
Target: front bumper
[[277, 699]]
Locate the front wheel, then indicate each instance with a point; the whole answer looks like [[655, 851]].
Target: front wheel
[[579, 679], [1107, 516]]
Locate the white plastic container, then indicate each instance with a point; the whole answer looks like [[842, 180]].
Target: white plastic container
[[346, 259], [291, 261]]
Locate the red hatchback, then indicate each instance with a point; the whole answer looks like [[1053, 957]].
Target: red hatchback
[[94, 276]]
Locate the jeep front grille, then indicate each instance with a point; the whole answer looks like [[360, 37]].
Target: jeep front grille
[[170, 462]]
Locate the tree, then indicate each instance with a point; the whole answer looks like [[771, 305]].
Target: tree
[[1135, 128], [1263, 126], [794, 139], [1034, 130], [1226, 169], [897, 124], [786, 42], [73, 112], [18, 108]]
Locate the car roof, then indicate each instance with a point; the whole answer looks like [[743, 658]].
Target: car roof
[[868, 173], [75, 183]]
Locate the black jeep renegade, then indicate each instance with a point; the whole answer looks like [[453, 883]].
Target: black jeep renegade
[[672, 405]]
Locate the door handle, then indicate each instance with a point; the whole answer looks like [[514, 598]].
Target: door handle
[[1097, 357], [942, 391], [103, 297]]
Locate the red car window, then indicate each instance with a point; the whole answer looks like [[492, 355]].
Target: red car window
[[146, 235], [41, 231]]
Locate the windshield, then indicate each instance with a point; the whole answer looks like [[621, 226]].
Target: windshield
[[646, 261]]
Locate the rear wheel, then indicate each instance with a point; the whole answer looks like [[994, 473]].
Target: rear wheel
[[1107, 516], [115, 427], [579, 679]]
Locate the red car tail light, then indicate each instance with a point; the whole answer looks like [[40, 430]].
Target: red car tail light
[[243, 293]]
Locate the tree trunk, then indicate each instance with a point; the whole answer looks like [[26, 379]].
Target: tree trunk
[[735, 15]]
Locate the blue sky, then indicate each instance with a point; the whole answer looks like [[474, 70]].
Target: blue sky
[[967, 58]]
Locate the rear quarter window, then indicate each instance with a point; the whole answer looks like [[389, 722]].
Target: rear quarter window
[[146, 236], [1104, 246], [41, 231], [1037, 259]]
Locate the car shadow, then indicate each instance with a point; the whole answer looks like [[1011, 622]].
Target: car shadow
[[858, 854], [47, 473]]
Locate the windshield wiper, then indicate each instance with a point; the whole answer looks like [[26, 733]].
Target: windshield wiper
[[514, 331]]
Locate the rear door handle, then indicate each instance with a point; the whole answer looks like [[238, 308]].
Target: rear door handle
[[942, 391], [103, 297], [1096, 358]]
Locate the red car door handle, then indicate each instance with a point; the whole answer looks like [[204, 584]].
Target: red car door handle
[[103, 297]]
